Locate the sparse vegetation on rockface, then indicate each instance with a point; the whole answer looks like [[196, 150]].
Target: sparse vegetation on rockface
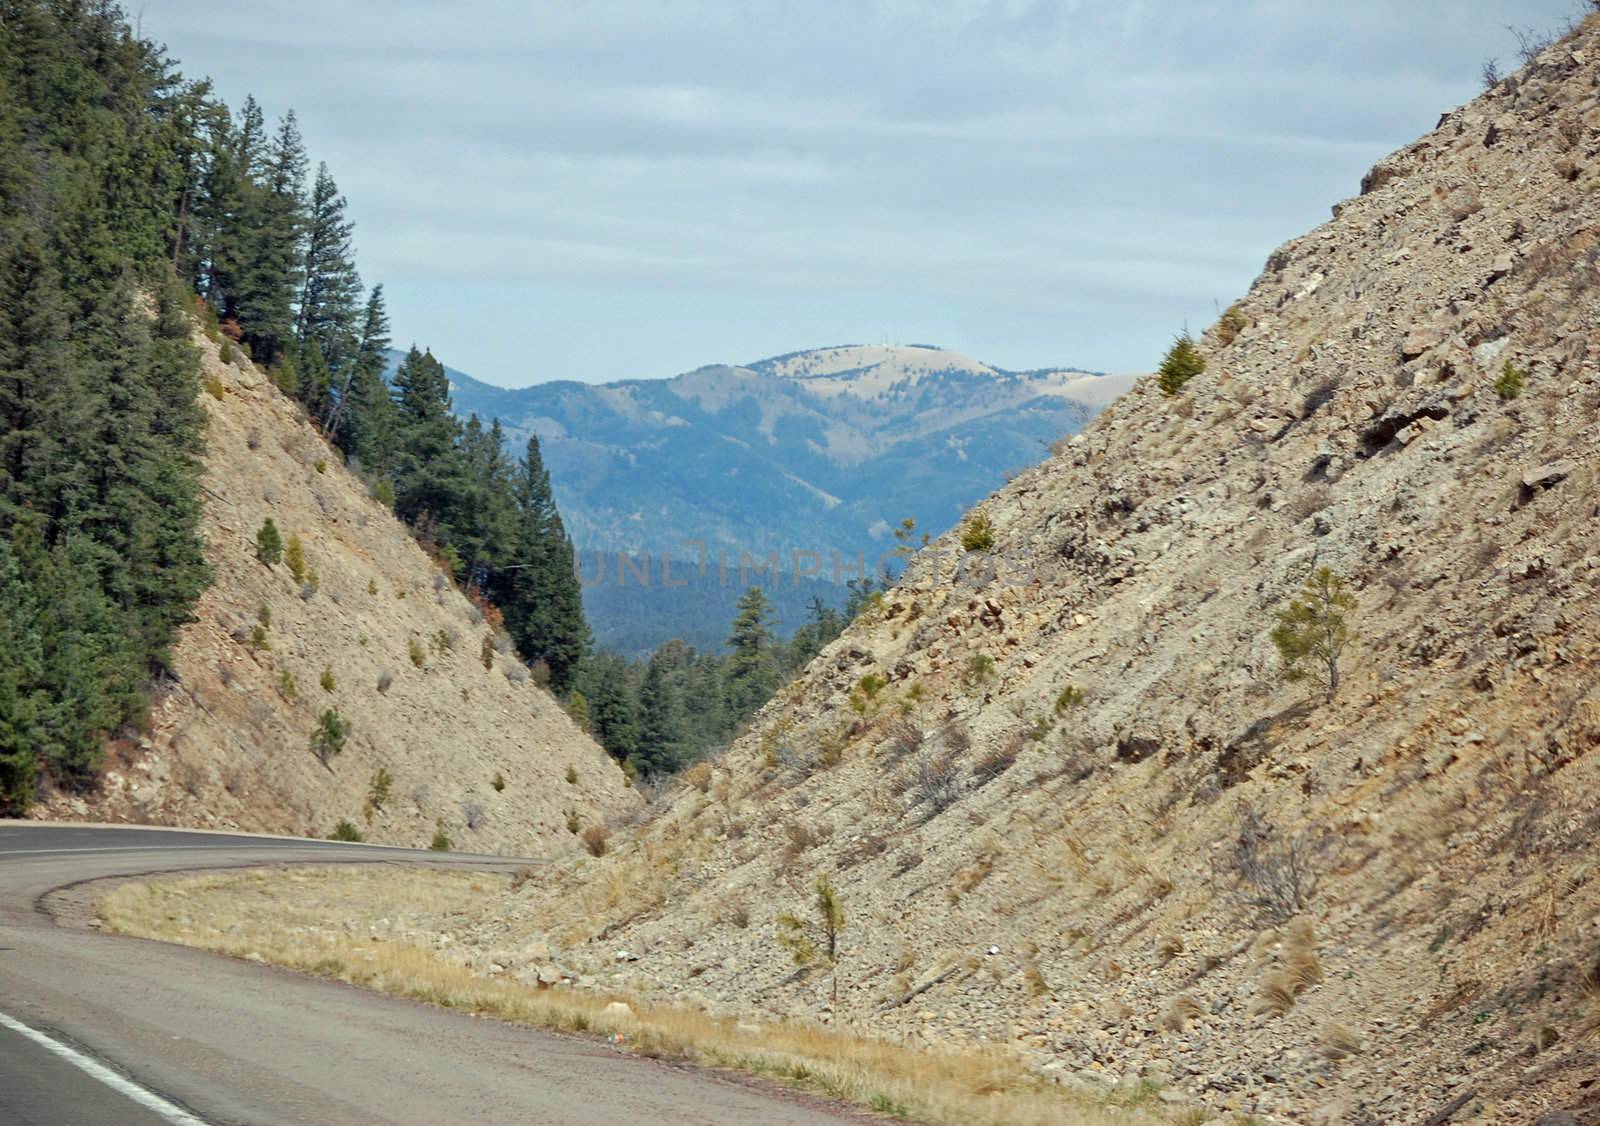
[[328, 738], [816, 939], [595, 839], [379, 790], [1509, 383], [1181, 364], [1274, 874], [1313, 633], [977, 533], [269, 543]]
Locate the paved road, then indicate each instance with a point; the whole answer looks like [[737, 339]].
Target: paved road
[[203, 1037]]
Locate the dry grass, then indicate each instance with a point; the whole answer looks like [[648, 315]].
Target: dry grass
[[1301, 967], [996, 762], [1275, 995], [698, 776], [735, 912], [1589, 1023], [1182, 1010], [594, 839], [1543, 1037], [1339, 1042], [322, 921], [1303, 970]]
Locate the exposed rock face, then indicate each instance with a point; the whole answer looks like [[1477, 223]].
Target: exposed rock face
[[230, 741], [1425, 907]]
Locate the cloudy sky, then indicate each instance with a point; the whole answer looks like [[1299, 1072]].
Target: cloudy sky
[[603, 189]]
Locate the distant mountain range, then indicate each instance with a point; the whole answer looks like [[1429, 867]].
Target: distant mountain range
[[818, 452]]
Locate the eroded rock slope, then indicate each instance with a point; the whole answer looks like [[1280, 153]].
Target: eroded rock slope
[[468, 742], [1359, 911]]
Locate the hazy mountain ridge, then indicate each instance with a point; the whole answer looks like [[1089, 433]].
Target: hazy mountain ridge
[[812, 452], [812, 455]]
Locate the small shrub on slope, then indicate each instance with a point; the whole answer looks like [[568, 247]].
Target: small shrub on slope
[[1312, 634], [1510, 382], [294, 555], [329, 737], [1182, 363], [978, 533], [269, 544]]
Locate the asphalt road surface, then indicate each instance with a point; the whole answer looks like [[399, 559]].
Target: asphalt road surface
[[99, 1029]]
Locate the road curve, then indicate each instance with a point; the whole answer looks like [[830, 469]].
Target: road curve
[[227, 1041]]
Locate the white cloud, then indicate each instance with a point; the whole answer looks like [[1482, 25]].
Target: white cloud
[[1083, 173]]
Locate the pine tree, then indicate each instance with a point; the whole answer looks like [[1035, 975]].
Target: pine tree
[[330, 289], [272, 218], [216, 224], [427, 463], [326, 324], [294, 557], [99, 496], [21, 677], [192, 107], [38, 388], [539, 592], [660, 741], [578, 710], [823, 624], [269, 543], [752, 672], [315, 381], [251, 140], [1312, 633], [611, 705], [815, 940], [705, 706], [367, 427]]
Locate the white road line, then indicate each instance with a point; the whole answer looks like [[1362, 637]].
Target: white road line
[[128, 848], [103, 848], [132, 1091]]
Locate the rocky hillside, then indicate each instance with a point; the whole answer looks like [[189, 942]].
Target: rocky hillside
[[1066, 795], [434, 699]]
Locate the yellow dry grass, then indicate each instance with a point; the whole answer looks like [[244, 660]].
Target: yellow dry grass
[[1275, 995], [1339, 1042], [1180, 1012], [321, 920]]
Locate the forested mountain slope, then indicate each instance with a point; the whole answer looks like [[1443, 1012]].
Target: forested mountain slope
[[1062, 788], [149, 236], [99, 558]]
